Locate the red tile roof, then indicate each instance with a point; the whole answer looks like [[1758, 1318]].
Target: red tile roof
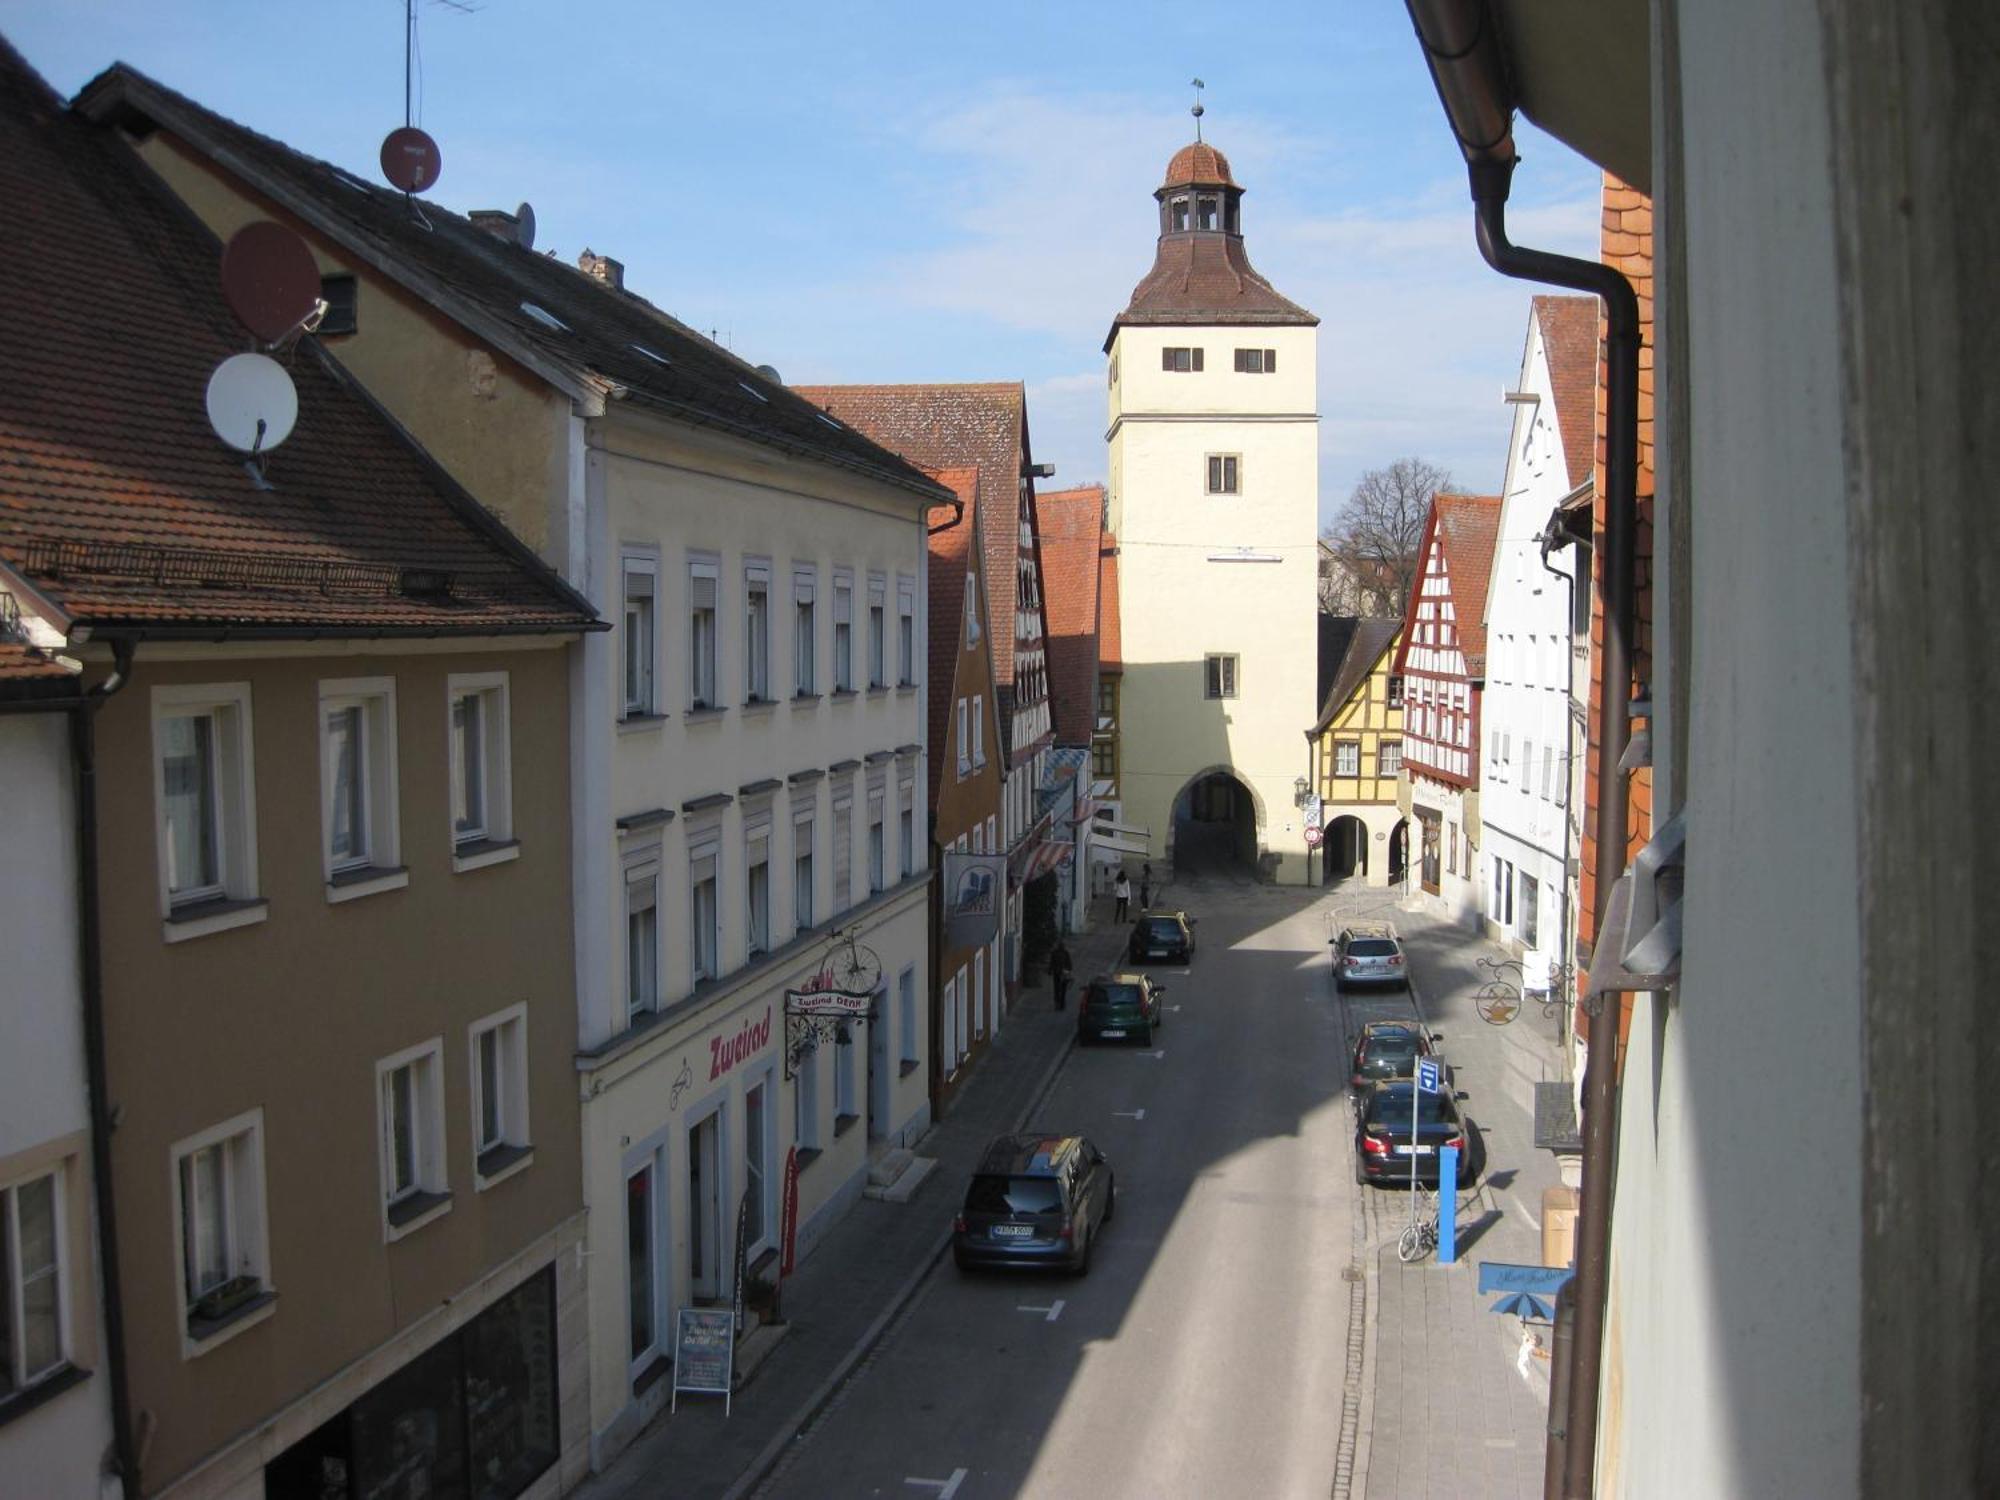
[[26, 672], [1569, 339], [1110, 637], [1072, 525], [953, 555], [1467, 528], [119, 504], [978, 426], [1198, 163]]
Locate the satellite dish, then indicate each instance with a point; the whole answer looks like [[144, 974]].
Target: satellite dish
[[524, 226], [770, 373], [411, 159], [270, 279], [252, 402]]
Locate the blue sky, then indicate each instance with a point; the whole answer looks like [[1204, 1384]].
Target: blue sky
[[899, 191]]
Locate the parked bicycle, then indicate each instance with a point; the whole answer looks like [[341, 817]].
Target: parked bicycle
[[1420, 1237]]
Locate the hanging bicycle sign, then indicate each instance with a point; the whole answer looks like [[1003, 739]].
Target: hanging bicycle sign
[[827, 1005]]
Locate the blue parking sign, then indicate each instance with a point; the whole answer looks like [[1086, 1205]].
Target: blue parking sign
[[1429, 1074]]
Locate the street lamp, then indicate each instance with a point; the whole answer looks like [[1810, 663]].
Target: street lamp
[[1301, 788]]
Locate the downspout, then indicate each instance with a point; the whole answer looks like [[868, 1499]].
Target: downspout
[[1464, 51], [83, 756], [1549, 540]]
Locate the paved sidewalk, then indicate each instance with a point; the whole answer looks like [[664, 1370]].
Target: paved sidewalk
[[846, 1292], [1450, 1408]]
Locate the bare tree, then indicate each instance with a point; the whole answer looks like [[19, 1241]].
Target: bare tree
[[1375, 537]]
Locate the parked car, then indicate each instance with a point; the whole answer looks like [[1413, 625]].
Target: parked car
[[1166, 936], [1383, 1148], [1120, 1007], [1387, 1049], [1369, 953], [1035, 1200]]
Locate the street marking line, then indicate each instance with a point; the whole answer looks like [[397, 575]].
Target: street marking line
[[1049, 1314], [1128, 1114], [1175, 1009], [1154, 1055], [946, 1488]]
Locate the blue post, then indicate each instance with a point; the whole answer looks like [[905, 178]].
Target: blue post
[[1448, 1206]]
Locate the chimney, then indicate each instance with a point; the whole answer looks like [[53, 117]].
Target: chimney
[[604, 268], [496, 222]]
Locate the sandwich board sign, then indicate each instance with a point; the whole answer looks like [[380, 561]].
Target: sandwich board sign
[[704, 1353]]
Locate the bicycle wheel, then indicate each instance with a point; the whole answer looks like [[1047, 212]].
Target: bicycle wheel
[[1411, 1247], [856, 970]]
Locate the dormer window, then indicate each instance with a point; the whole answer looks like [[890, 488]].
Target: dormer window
[[1205, 212], [1177, 214]]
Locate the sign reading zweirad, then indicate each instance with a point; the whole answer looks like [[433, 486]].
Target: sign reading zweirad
[[973, 884]]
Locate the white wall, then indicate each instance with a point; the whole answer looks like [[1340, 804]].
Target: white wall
[[1733, 1348]]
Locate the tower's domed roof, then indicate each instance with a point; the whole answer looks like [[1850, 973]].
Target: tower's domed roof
[[1199, 163]]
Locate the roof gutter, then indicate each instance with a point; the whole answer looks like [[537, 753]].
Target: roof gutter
[[1463, 47]]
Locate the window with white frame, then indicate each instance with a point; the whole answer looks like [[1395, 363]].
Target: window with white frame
[[843, 854], [906, 631], [906, 1013], [642, 935], [34, 1283], [1548, 771], [757, 888], [482, 800], [805, 1099], [756, 632], [1347, 757], [205, 796], [499, 1093], [704, 580], [802, 870], [845, 1104], [843, 631], [757, 1161], [971, 609], [1389, 758], [1527, 768], [1220, 677], [410, 1093], [878, 630], [877, 844], [906, 842], [978, 729], [357, 721], [704, 915], [641, 643], [1225, 473], [964, 736], [220, 1223], [805, 628]]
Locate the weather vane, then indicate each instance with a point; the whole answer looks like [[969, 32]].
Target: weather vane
[[1198, 111]]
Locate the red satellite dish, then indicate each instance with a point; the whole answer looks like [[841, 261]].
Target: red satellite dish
[[270, 279], [411, 159]]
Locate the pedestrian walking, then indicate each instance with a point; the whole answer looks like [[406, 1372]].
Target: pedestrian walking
[[1146, 887], [1122, 894], [1059, 970]]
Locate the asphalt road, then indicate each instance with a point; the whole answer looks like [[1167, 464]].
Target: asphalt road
[[1204, 1353]]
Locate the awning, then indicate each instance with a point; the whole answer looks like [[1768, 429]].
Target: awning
[[1118, 830], [1107, 847], [1045, 858], [1084, 809]]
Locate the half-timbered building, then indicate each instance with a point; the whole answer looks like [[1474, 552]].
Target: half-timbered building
[[1442, 661], [1357, 751]]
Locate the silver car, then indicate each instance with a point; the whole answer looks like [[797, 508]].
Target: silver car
[[1368, 953]]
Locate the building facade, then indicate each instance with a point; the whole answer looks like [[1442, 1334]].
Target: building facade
[[1214, 497], [1072, 531], [1537, 621], [1442, 660], [1357, 757]]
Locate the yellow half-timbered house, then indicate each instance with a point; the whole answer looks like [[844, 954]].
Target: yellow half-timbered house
[[1357, 749]]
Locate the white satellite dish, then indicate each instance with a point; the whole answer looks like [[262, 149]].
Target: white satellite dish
[[252, 403], [524, 226]]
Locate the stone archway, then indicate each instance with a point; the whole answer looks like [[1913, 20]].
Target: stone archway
[[1345, 849], [1217, 824]]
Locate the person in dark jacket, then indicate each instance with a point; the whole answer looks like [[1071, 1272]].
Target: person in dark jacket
[[1059, 972]]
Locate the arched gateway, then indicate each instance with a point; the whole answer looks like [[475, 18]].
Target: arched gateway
[[1218, 824]]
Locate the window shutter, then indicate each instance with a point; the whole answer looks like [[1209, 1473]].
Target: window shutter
[[803, 587], [843, 603], [1166, 359], [1197, 359], [1270, 361], [702, 591]]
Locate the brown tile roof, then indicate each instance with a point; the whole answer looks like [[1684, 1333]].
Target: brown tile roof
[[483, 281], [26, 672], [1569, 338], [1072, 525], [1467, 527], [121, 507], [1206, 278], [951, 558], [1198, 163], [977, 426], [1110, 637], [1366, 644]]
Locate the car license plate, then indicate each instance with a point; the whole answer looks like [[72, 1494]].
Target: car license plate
[[1419, 1150], [1012, 1231], [1118, 1031]]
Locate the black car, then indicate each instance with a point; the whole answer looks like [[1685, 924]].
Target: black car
[[1035, 1200], [1119, 1008], [1162, 936], [1382, 1140], [1387, 1049]]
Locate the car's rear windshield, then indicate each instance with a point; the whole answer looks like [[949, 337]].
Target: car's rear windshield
[[1013, 1195], [1390, 1057], [1165, 927], [1113, 997], [1372, 947], [1392, 1107]]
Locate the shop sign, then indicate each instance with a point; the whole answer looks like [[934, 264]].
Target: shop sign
[[972, 887], [726, 1052], [704, 1353]]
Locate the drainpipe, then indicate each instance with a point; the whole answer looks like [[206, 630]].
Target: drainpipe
[[83, 756], [1548, 541]]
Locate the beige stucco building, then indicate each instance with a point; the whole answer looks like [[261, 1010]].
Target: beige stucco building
[[1215, 503]]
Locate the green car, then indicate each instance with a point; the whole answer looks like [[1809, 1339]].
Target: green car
[[1120, 1008]]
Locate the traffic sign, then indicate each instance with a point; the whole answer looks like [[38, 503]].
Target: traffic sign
[[1429, 1075]]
